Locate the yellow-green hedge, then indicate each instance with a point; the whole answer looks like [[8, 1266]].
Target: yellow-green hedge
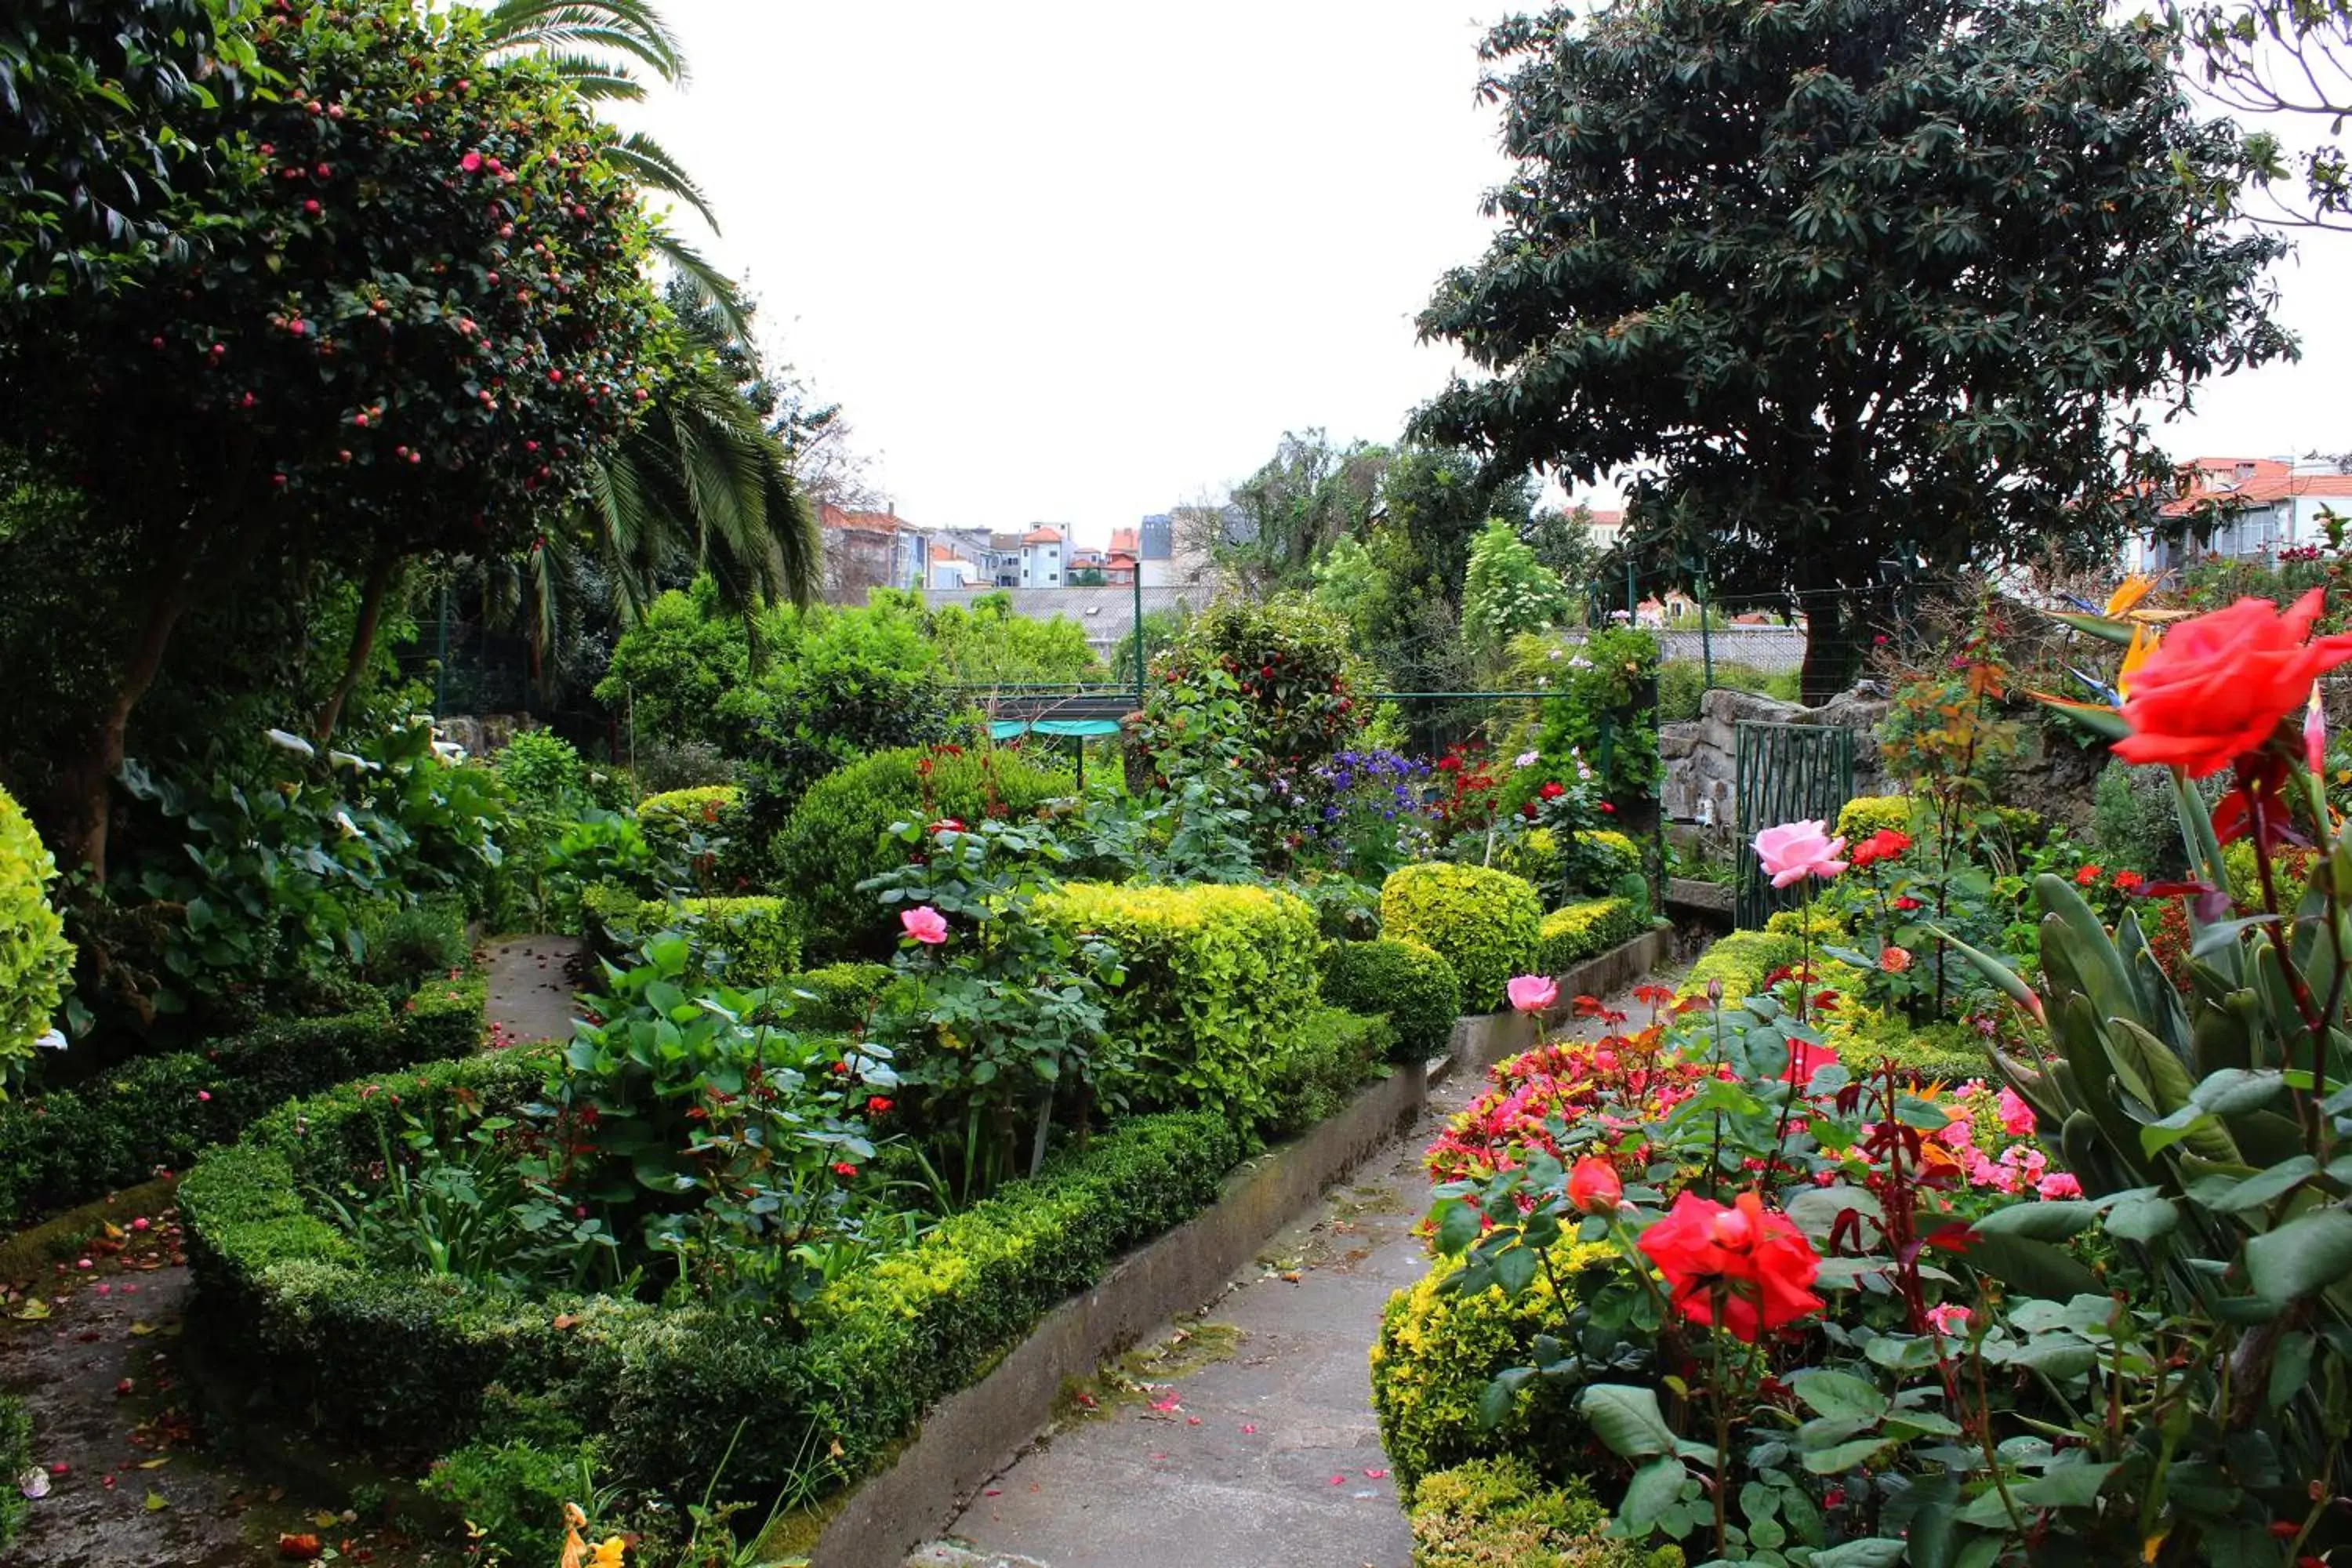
[[1577, 931], [1498, 1513], [34, 957], [1439, 1349], [1216, 977], [1867, 814], [760, 936], [1485, 923], [1863, 1036]]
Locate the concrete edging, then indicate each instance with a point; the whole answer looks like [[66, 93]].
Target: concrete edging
[[1482, 1039], [967, 1437]]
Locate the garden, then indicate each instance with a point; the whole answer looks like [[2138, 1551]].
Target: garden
[[1983, 1199]]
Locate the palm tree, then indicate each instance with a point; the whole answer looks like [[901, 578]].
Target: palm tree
[[595, 45]]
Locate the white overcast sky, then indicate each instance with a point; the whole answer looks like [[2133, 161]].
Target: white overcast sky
[[1076, 262]]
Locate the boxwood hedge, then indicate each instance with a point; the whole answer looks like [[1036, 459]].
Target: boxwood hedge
[[403, 1362], [69, 1146]]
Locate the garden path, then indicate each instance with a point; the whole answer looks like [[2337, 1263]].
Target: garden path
[[532, 979], [1242, 1437]]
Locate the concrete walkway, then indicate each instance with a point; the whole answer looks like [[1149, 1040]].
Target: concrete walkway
[[1245, 1437], [531, 984]]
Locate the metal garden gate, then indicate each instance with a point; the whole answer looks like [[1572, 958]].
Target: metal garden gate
[[1784, 773]]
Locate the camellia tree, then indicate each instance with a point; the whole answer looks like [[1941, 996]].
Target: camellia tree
[[1855, 291], [421, 312]]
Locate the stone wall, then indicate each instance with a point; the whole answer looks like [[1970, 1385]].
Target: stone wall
[[1701, 756]]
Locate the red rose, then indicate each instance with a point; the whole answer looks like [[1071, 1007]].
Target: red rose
[[1883, 845], [1593, 1186], [1608, 808], [879, 1105], [1552, 791], [2218, 686], [844, 1170], [1757, 1265], [1906, 904]]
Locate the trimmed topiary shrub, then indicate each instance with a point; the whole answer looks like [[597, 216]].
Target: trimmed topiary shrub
[[838, 997], [838, 834], [1575, 932], [1867, 814], [1438, 1350], [1328, 1056], [34, 957], [1216, 976], [1498, 1513], [1486, 922], [1411, 983]]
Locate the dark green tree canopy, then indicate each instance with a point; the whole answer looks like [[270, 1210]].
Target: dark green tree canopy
[[1851, 289]]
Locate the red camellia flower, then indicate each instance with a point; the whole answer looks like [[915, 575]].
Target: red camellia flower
[[1883, 845], [1552, 790], [1907, 903], [2219, 685], [1759, 1265], [1593, 1185], [879, 1105]]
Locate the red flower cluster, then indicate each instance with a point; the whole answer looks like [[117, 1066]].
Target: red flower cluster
[[1756, 1267], [1883, 845], [1563, 1084]]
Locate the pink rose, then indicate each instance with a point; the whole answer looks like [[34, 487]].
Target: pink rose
[[2016, 1116], [2059, 1184], [926, 925], [1796, 850], [1949, 1320], [1532, 993]]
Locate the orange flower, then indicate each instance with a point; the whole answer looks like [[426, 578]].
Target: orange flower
[[1895, 960]]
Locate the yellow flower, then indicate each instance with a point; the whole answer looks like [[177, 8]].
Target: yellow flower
[[2135, 588], [2142, 643], [609, 1554]]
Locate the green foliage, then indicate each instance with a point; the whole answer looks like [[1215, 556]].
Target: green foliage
[[839, 835], [1682, 683], [541, 770], [1439, 1347], [1330, 1053], [702, 828], [1508, 592], [68, 1146], [838, 997], [1604, 715], [408, 945], [407, 1361], [1500, 1513], [1291, 665], [1609, 858], [1216, 978], [1868, 813], [1571, 934], [1485, 923], [34, 957], [682, 674], [754, 943], [512, 1491], [2133, 823], [15, 1459], [989, 644], [1411, 983], [2070, 172]]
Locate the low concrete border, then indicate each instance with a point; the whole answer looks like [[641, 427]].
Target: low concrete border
[[966, 1437], [1482, 1039]]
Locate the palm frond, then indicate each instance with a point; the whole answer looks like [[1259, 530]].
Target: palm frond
[[712, 288], [633, 28], [649, 162], [596, 78]]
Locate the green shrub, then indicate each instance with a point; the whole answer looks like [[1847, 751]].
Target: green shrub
[[713, 814], [1741, 961], [1863, 1037], [1617, 856], [34, 957], [678, 812], [1411, 983], [1927, 1053], [2134, 821], [1438, 1350], [1682, 683], [837, 835], [1867, 814], [1215, 976], [1571, 934], [1486, 922], [755, 941], [69, 1146], [406, 1360], [1498, 1513], [839, 997], [15, 1459], [406, 945], [1328, 1054], [541, 770]]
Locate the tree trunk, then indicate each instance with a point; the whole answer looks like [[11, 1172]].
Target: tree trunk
[[1829, 650], [379, 584], [84, 784]]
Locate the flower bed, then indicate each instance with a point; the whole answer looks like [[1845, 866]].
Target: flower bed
[[69, 1146], [657, 1392]]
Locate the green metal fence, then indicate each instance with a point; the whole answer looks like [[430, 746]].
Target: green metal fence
[[1784, 773]]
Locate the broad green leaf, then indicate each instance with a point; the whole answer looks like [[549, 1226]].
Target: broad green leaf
[[2305, 1255], [2053, 1219], [1653, 1490], [1831, 1393], [2224, 1197], [1627, 1419], [1870, 1552], [2034, 1268], [2142, 1219]]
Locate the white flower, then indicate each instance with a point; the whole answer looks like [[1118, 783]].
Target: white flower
[[1527, 759], [55, 1040], [343, 820], [449, 751], [294, 744], [33, 1483], [1580, 662]]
